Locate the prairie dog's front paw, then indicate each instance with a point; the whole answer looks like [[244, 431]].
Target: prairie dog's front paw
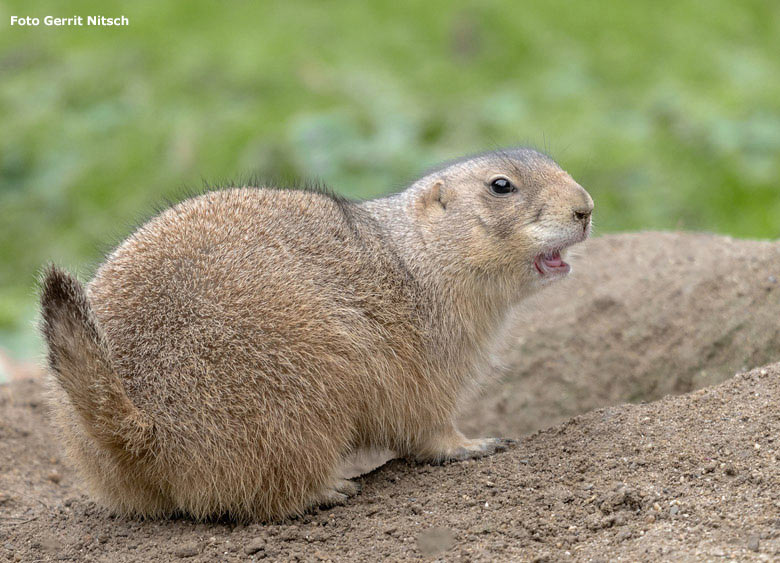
[[471, 449], [481, 447]]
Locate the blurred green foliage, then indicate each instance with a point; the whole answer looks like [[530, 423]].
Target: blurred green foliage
[[667, 111]]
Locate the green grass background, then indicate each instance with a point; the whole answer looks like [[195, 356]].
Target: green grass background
[[668, 112]]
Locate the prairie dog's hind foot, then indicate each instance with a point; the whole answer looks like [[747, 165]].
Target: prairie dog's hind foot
[[347, 487], [337, 495]]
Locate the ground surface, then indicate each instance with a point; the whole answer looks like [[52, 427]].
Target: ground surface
[[688, 477], [642, 316]]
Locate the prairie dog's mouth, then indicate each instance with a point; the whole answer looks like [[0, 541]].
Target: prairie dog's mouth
[[550, 264]]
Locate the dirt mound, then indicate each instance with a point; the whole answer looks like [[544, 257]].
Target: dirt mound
[[643, 315], [689, 477]]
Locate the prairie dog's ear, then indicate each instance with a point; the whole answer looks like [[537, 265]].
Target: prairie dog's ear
[[433, 199]]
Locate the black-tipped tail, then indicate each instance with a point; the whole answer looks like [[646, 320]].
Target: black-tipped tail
[[79, 361]]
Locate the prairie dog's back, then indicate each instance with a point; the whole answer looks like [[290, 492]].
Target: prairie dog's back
[[289, 272]]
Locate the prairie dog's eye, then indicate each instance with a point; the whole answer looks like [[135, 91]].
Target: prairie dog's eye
[[502, 186]]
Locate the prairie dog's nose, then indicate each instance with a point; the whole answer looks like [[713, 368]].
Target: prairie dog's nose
[[582, 216], [584, 208]]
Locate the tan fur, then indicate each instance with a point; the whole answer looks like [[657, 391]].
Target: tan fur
[[232, 351]]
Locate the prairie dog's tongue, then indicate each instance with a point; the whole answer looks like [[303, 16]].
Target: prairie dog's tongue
[[553, 259]]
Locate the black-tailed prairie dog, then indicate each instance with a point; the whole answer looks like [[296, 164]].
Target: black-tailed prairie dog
[[232, 351]]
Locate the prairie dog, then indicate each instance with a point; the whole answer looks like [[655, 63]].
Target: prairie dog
[[232, 351]]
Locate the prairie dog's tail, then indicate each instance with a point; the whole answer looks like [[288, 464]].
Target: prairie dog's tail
[[79, 361]]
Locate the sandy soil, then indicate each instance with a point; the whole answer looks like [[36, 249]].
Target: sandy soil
[[642, 316], [688, 477]]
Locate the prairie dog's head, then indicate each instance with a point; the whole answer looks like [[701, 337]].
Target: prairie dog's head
[[511, 212]]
